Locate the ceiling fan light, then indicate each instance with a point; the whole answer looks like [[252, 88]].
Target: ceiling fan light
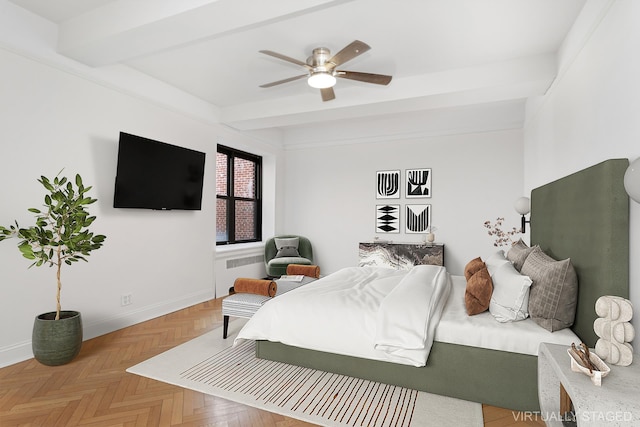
[[321, 80]]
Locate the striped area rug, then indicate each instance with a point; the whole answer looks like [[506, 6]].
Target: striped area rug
[[211, 365]]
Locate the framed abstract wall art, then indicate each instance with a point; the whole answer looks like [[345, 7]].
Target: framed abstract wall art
[[387, 218], [388, 184], [417, 218], [418, 183]]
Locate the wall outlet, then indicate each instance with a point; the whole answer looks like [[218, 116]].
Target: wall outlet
[[125, 299]]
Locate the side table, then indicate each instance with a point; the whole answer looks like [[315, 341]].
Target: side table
[[615, 403]]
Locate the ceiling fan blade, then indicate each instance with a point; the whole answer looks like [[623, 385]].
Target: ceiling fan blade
[[285, 58], [379, 79], [279, 82], [327, 94], [349, 52]]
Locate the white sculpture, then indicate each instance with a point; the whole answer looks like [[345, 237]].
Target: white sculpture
[[614, 330]]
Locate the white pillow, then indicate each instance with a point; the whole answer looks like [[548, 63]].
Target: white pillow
[[496, 260], [510, 298]]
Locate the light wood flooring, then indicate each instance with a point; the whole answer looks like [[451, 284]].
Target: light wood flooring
[[94, 390]]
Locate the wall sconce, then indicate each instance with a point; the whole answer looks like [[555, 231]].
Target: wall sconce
[[523, 207], [632, 180]]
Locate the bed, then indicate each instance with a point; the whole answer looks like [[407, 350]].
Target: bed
[[584, 217]]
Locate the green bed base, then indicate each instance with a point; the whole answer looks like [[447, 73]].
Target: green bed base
[[470, 373], [585, 217]]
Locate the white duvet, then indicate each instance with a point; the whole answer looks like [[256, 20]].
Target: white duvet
[[370, 312]]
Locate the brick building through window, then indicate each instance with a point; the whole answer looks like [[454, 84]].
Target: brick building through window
[[238, 196]]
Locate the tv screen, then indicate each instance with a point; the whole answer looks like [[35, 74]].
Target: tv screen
[[156, 175]]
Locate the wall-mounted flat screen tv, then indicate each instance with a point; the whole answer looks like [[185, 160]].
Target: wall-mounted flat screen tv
[[156, 175]]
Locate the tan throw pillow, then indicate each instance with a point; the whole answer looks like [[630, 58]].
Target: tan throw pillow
[[477, 296], [554, 292], [472, 267], [518, 254]]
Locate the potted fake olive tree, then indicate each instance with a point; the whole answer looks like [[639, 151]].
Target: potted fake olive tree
[[60, 236]]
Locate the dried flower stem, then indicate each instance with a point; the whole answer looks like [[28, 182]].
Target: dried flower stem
[[503, 238]]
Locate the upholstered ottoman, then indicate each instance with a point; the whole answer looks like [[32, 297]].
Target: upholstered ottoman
[[245, 305]]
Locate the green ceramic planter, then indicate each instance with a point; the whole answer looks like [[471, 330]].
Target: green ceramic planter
[[56, 342]]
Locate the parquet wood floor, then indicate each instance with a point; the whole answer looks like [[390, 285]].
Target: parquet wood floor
[[94, 390]]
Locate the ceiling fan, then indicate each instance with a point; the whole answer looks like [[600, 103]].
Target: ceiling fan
[[321, 68]]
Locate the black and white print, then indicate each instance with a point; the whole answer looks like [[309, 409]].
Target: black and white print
[[387, 218], [388, 184], [418, 183], [417, 218]]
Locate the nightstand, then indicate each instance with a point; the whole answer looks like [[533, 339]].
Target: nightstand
[[615, 403]]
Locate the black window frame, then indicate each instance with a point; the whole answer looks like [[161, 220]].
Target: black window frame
[[231, 199]]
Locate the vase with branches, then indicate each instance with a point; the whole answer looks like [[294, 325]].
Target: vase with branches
[[502, 237]]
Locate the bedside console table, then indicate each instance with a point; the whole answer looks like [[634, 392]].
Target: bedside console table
[[615, 403], [400, 255]]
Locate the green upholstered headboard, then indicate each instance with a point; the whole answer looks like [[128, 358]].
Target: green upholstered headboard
[[585, 217]]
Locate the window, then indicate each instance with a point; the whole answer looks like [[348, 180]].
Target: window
[[238, 196]]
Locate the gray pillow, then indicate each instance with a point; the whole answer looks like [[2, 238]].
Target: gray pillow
[[287, 247], [518, 254], [554, 292]]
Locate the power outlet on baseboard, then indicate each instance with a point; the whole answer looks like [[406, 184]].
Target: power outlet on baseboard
[[125, 299]]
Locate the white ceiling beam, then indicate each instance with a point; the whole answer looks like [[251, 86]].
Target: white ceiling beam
[[415, 124], [515, 79], [127, 29]]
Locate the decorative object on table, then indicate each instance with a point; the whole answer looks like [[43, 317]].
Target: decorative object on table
[[418, 183], [430, 237], [583, 360], [417, 218], [388, 184], [387, 218], [632, 180], [60, 236], [614, 329], [502, 238], [523, 207]]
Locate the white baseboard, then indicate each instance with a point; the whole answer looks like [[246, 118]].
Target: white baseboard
[[22, 351], [15, 353]]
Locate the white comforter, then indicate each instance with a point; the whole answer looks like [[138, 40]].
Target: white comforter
[[371, 312]]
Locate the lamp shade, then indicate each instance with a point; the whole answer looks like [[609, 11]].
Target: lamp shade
[[522, 205], [321, 80], [632, 180]]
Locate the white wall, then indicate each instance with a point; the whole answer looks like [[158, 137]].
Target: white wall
[[591, 114], [51, 119], [330, 192]]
